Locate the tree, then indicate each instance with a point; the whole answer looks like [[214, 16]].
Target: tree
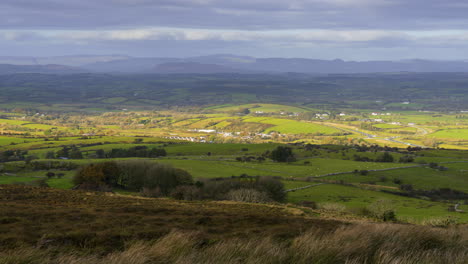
[[137, 141], [100, 154], [64, 152], [50, 155], [282, 154], [75, 154], [385, 157], [273, 187], [244, 111], [133, 175]]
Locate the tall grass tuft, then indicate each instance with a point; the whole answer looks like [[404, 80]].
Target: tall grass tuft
[[352, 244]]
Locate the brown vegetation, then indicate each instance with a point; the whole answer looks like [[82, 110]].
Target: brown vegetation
[[42, 225]]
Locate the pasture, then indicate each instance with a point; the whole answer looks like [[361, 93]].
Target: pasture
[[452, 134], [421, 178], [354, 198]]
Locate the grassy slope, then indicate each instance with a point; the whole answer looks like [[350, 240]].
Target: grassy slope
[[421, 178], [353, 197], [51, 226], [104, 222]]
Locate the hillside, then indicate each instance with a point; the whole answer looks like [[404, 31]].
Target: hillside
[[235, 63], [45, 69], [41, 225], [193, 67], [402, 91]]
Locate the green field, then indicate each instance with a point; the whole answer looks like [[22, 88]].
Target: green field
[[455, 177], [354, 198], [114, 100], [288, 126], [457, 134], [13, 140], [224, 154]]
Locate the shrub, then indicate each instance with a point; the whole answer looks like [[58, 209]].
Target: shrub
[[385, 157], [406, 159], [133, 175], [186, 192], [406, 187], [100, 154], [282, 154], [440, 221], [397, 181], [136, 174], [217, 189], [151, 192], [75, 154], [248, 195], [273, 187], [383, 210], [40, 183]]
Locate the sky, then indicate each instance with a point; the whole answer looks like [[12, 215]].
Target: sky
[[321, 29]]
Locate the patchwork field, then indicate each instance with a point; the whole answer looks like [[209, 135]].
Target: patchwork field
[[461, 134], [352, 197]]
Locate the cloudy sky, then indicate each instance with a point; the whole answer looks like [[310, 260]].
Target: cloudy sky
[[323, 29]]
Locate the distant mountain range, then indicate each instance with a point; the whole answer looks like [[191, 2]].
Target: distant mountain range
[[221, 63], [49, 69]]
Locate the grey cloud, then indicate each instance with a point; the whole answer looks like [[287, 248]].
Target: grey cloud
[[313, 28], [240, 14]]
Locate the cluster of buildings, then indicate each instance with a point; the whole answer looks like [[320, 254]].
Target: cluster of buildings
[[191, 139]]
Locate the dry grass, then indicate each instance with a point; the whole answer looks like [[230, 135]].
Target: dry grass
[[57, 227], [366, 243]]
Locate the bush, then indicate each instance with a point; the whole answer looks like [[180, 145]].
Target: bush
[[440, 221], [385, 157], [217, 189], [406, 187], [40, 183], [282, 154], [248, 195], [136, 174], [383, 210], [406, 159], [148, 192], [186, 192], [133, 175], [397, 181], [273, 187], [105, 173]]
